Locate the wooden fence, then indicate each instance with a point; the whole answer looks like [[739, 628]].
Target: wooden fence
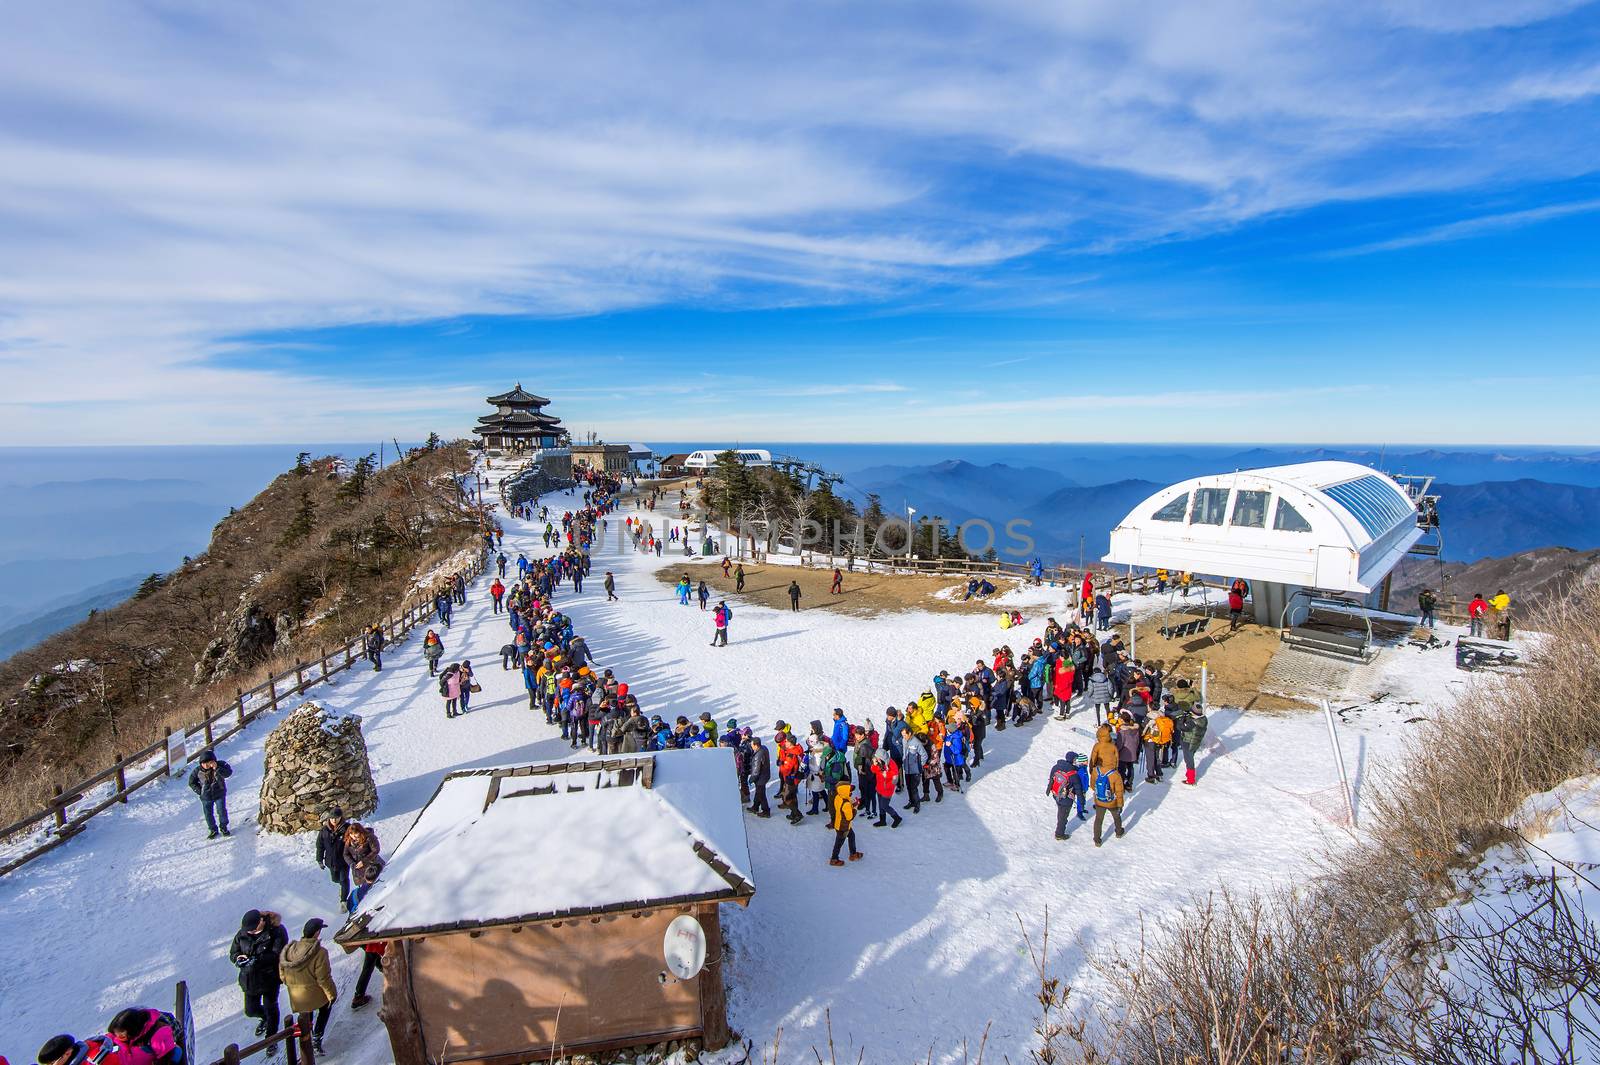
[[1063, 576], [171, 754]]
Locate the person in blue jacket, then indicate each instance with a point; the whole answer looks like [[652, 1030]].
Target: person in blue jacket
[[1036, 571], [530, 679], [1036, 676], [841, 731], [955, 756], [1102, 608], [1068, 780]]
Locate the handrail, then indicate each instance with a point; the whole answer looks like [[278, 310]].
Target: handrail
[[245, 707]]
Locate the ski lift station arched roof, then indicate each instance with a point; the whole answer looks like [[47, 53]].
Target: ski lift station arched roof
[[1331, 526]]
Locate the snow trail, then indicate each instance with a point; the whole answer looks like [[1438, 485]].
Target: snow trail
[[915, 947]]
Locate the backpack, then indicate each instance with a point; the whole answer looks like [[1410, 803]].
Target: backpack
[[1058, 783], [166, 1019], [1102, 787]]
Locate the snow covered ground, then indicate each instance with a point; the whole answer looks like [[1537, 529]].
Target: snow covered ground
[[916, 947]]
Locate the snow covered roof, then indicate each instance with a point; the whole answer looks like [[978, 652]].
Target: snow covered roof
[[1336, 526], [564, 839]]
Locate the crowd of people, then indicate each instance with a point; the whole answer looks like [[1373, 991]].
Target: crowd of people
[[934, 744], [838, 770]]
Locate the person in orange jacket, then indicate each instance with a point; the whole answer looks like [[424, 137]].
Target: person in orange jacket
[[1105, 782]]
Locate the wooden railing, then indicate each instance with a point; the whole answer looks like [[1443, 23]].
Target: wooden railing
[[294, 1029], [171, 755]]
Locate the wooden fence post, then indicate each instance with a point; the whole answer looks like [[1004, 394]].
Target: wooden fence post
[[61, 810], [324, 663], [349, 654], [121, 778], [168, 748], [230, 1054], [206, 724], [299, 677], [238, 703], [272, 691]]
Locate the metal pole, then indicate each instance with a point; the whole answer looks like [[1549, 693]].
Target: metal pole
[[1204, 674], [1338, 760]]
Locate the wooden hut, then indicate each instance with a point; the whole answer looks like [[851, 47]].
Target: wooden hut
[[526, 908]]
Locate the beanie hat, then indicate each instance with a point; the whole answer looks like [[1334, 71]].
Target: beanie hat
[[250, 919], [55, 1047]]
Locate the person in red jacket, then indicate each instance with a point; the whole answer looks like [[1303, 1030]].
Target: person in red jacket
[[789, 755], [66, 1050], [1061, 687], [1475, 613], [498, 592], [885, 771], [1235, 608]]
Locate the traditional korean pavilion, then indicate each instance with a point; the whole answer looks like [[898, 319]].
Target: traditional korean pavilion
[[519, 423]]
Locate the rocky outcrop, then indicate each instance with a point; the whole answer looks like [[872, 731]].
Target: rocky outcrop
[[315, 759], [249, 640]]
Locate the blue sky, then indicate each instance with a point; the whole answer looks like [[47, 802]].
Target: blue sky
[[1000, 221]]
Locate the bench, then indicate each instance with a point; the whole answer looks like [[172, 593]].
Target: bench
[[1188, 628], [1335, 644]]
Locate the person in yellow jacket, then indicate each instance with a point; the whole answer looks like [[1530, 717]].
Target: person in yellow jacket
[[303, 967], [1161, 581], [1105, 778], [919, 713], [843, 822], [1501, 605]]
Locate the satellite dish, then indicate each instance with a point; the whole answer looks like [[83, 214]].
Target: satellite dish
[[684, 947]]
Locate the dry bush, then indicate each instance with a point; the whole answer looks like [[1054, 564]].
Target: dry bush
[[1469, 767], [1346, 967]]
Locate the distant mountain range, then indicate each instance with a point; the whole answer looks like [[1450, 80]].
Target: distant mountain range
[[1530, 577], [1480, 520], [27, 630]]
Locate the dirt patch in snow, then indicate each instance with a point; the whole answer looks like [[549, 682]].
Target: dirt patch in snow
[[864, 593], [1235, 661]]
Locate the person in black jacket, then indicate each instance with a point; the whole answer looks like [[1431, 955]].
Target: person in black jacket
[[760, 762], [330, 850], [794, 595], [255, 949], [210, 781], [373, 646]]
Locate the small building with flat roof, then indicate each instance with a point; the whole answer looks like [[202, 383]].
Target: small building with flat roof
[[525, 911]]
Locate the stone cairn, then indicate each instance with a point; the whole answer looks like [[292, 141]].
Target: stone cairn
[[315, 759]]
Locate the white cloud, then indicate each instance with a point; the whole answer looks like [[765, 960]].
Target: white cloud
[[178, 173], [1465, 228]]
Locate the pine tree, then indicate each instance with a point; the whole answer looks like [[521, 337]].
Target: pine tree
[[149, 585], [302, 464], [433, 442], [304, 520], [355, 486]]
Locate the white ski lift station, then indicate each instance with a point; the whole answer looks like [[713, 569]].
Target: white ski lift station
[[1333, 529]]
